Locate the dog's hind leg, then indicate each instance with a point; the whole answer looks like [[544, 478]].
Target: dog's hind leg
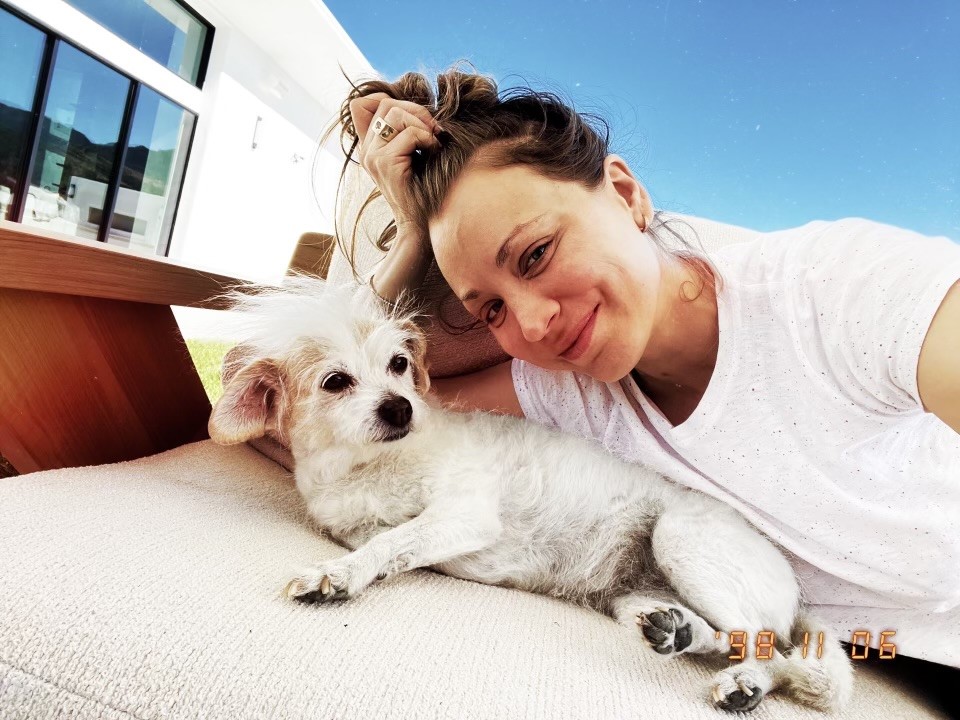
[[670, 629], [817, 674], [739, 584], [737, 580], [726, 571], [820, 676], [824, 682], [666, 626]]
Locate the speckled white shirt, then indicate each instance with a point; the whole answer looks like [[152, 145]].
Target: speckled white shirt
[[812, 424]]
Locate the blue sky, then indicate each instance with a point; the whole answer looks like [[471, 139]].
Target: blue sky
[[765, 114]]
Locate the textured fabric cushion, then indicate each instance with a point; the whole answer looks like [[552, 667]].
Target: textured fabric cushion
[[149, 589]]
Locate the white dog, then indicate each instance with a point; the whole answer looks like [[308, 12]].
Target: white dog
[[406, 484]]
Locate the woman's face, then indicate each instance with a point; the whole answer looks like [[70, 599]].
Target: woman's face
[[563, 276]]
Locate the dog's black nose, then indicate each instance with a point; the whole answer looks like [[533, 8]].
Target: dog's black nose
[[396, 411]]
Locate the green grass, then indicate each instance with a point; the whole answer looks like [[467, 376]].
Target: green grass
[[207, 356]]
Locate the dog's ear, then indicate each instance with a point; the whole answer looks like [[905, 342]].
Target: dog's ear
[[416, 343], [249, 405], [233, 361]]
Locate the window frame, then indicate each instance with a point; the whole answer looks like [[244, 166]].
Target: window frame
[[207, 43], [204, 51], [52, 43], [36, 114]]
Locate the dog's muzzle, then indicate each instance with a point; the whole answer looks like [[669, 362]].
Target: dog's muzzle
[[396, 412]]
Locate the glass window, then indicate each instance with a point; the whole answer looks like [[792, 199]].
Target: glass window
[[22, 55], [161, 29], [152, 172], [77, 150]]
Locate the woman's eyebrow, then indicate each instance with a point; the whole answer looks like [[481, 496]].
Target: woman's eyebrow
[[505, 248], [503, 253]]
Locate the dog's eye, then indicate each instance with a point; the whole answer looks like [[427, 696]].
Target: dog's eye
[[335, 382], [398, 364]]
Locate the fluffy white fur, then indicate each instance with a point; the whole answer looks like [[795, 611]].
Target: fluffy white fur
[[503, 501]]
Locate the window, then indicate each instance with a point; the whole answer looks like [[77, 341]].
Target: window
[[78, 145], [164, 30], [153, 165], [84, 149], [23, 54]]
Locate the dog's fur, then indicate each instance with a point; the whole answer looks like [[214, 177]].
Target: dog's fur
[[407, 484]]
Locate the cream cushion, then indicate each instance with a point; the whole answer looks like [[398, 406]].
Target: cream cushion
[[149, 589]]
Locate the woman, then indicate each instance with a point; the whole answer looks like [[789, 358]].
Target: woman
[[809, 378]]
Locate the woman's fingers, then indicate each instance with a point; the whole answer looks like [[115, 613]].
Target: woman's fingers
[[363, 110], [388, 160], [375, 145], [422, 113], [400, 119], [401, 146]]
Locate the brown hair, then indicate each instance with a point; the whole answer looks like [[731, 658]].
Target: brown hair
[[517, 126]]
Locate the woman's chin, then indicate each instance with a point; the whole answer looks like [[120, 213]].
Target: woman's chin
[[608, 369]]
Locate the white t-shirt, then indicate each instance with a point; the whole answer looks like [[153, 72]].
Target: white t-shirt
[[812, 425]]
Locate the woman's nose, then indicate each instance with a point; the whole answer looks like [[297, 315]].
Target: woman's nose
[[534, 316]]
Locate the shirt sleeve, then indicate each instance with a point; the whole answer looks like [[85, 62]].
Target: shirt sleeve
[[873, 290], [568, 401]]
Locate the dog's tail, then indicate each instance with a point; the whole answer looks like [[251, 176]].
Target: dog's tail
[[816, 670]]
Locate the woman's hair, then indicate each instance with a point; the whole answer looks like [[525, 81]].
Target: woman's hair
[[517, 126]]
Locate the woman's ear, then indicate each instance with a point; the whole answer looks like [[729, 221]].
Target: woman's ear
[[629, 190]]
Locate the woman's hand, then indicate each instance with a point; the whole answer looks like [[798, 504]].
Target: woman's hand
[[389, 162]]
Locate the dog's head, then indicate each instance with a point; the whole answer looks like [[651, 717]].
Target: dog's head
[[319, 366]]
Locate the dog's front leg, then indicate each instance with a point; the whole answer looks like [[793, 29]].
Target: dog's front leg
[[433, 537], [358, 536]]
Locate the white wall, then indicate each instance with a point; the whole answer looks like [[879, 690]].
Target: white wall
[[243, 208]]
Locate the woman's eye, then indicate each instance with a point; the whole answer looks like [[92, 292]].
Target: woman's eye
[[492, 312], [398, 364], [336, 382], [534, 257]]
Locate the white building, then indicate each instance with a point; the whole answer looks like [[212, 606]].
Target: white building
[[216, 163]]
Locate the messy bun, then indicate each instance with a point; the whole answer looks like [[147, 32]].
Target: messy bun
[[464, 93], [518, 126]]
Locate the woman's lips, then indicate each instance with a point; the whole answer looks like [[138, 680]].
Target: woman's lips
[[580, 345]]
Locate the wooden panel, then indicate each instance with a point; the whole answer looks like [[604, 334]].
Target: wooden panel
[[87, 381], [313, 254], [33, 259]]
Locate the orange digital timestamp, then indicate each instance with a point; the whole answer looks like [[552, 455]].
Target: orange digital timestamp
[[766, 640]]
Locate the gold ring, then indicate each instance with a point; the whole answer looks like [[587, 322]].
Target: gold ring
[[381, 128]]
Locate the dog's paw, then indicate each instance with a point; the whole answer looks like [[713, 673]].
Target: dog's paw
[[665, 630], [319, 584], [737, 689]]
